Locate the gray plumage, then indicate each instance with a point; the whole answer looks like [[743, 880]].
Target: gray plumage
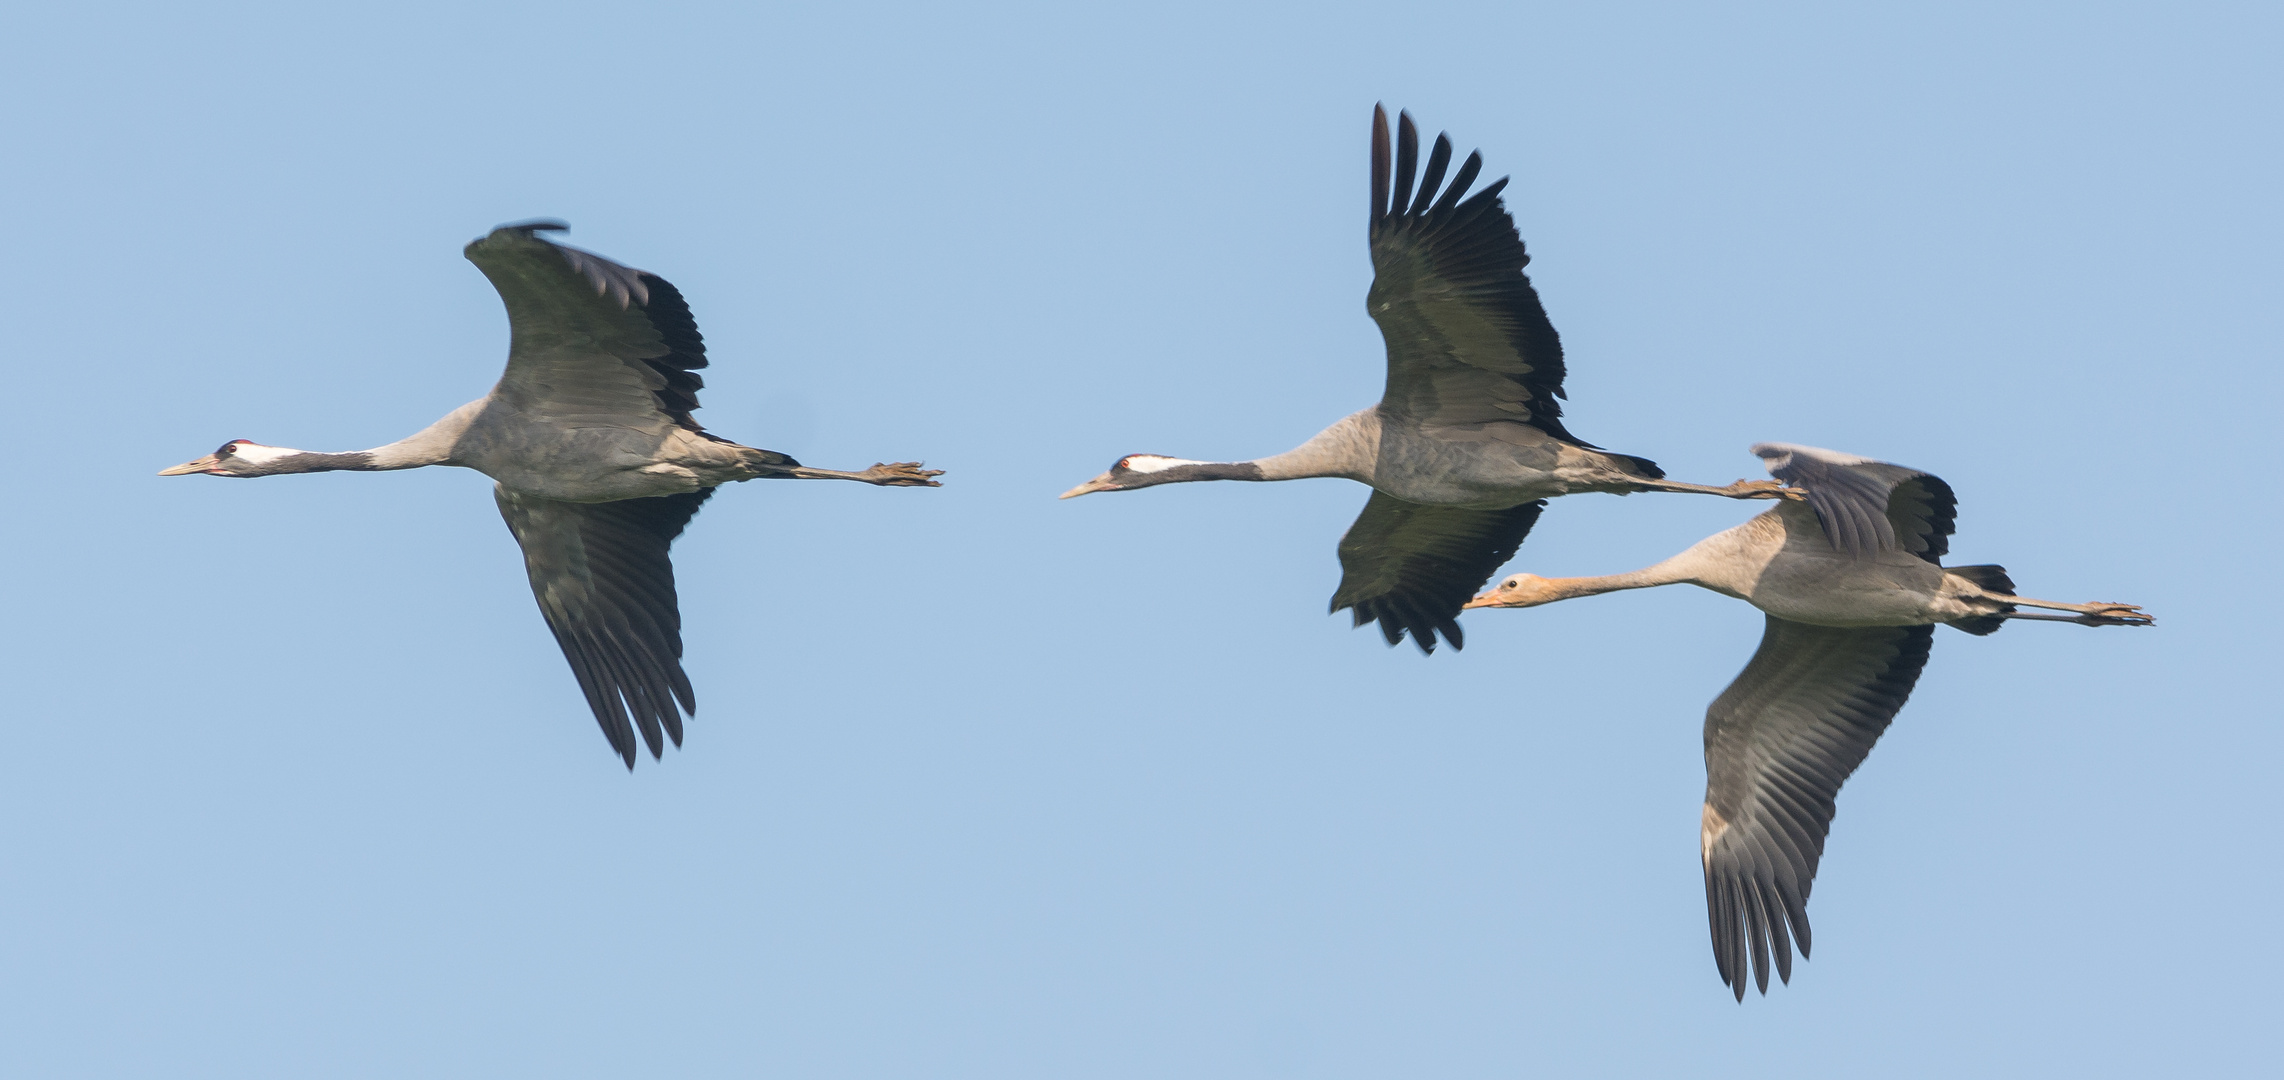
[[1852, 582], [598, 463], [1467, 439], [1779, 743]]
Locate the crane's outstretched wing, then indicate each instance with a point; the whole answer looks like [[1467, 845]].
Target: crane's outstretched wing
[[593, 343], [1866, 506], [1468, 341], [1779, 742], [1412, 567], [603, 580]]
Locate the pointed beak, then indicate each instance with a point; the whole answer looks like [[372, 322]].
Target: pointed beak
[[188, 467], [1489, 599], [1099, 483]]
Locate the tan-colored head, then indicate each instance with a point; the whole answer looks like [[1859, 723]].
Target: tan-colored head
[[1520, 590]]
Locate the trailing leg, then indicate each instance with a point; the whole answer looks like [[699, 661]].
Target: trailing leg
[[900, 474], [1742, 489], [2098, 613]]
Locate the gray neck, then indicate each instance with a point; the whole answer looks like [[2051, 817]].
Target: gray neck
[[303, 461], [1725, 562], [1571, 588], [432, 445], [1349, 449]]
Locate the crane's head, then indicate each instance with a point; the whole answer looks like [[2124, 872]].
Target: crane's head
[[1144, 470], [238, 457], [1133, 471], [1520, 590]]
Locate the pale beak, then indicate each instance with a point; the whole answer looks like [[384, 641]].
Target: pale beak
[[188, 467], [1489, 599], [1099, 483]]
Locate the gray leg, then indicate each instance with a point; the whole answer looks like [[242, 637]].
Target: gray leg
[[2094, 614], [900, 474], [1742, 489]]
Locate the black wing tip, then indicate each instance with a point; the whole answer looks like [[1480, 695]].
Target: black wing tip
[[1407, 162], [658, 724], [1394, 626], [1647, 467], [1749, 917], [1394, 175], [616, 731], [1380, 165], [1439, 160], [532, 225]]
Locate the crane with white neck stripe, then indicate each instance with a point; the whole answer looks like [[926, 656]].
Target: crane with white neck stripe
[[598, 465], [1467, 442]]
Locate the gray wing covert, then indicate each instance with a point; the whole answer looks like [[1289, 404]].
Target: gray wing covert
[[1411, 567], [605, 583], [1866, 506], [1779, 743], [593, 342]]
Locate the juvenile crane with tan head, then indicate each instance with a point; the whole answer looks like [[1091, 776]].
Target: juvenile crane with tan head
[[1852, 581], [597, 462]]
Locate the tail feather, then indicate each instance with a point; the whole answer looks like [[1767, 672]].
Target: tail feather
[[1649, 468], [1989, 578]]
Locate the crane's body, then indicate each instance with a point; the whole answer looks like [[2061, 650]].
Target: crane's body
[[598, 465], [1493, 464], [1851, 580]]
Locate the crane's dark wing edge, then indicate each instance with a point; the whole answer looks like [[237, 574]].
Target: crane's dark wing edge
[[1412, 567], [566, 301], [605, 584], [685, 350], [1468, 340], [1865, 506], [1779, 742]]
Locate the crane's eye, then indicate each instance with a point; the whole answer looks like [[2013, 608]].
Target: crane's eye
[[227, 449]]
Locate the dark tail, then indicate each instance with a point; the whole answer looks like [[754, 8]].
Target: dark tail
[[1988, 578], [1649, 468]]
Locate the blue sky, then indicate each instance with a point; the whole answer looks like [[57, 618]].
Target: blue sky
[[987, 785]]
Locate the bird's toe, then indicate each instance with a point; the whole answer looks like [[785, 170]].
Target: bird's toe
[[904, 474], [2105, 613], [1761, 489]]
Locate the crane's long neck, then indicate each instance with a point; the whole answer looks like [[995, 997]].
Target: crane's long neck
[[1549, 590], [1696, 566], [431, 445], [1349, 448], [278, 460]]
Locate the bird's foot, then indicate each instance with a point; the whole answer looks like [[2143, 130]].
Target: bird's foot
[[1762, 489], [2104, 613], [901, 474]]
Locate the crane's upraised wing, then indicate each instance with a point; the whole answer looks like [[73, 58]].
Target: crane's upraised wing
[[603, 580], [593, 343], [1866, 506], [1779, 742], [1412, 567], [1468, 341]]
